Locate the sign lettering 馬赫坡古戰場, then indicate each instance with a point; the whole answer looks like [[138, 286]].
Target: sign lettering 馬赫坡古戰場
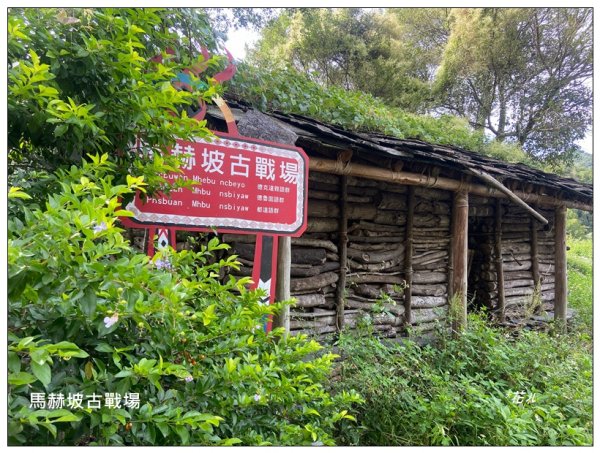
[[245, 185]]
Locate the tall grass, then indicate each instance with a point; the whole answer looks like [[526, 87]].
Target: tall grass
[[580, 273], [485, 387]]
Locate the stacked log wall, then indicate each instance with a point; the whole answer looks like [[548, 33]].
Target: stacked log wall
[[431, 255], [518, 257], [546, 248], [376, 250], [522, 297]]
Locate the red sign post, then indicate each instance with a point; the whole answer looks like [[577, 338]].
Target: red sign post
[[243, 185]]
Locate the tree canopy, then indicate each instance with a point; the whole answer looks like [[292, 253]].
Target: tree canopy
[[87, 80], [522, 75]]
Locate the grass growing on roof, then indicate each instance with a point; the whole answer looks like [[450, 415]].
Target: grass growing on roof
[[290, 91]]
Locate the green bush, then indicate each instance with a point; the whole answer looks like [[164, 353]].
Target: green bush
[[88, 315], [82, 79], [483, 388], [580, 276]]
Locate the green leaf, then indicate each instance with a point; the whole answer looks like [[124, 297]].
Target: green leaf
[[67, 349], [68, 418], [183, 433], [16, 192], [42, 372], [24, 342], [20, 378], [103, 347], [164, 429], [14, 362], [40, 355], [208, 315], [60, 130], [88, 302], [50, 427], [231, 441]]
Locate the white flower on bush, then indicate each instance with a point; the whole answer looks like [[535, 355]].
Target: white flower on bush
[[257, 397], [108, 322], [100, 228], [163, 264]]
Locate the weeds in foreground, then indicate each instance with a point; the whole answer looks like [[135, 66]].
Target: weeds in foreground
[[482, 388]]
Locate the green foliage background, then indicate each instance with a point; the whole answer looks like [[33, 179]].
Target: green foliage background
[[290, 91], [89, 315], [521, 74]]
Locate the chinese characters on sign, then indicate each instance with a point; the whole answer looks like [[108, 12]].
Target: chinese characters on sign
[[81, 401], [244, 184]]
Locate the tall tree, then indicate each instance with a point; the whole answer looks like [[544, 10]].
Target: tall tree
[[382, 53], [522, 75], [327, 43]]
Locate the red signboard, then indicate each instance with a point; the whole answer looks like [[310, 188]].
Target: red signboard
[[245, 185]]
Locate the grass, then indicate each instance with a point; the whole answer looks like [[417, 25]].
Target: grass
[[485, 387], [580, 273]]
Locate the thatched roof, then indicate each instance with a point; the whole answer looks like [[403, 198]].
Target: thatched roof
[[379, 148]]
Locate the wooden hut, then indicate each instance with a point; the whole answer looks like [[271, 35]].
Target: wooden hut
[[409, 233]]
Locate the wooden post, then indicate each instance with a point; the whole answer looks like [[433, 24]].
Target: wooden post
[[500, 308], [343, 252], [560, 267], [460, 230], [408, 255], [451, 259], [535, 264], [282, 290]]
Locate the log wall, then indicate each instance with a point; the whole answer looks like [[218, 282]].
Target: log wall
[[521, 259], [376, 258], [378, 264]]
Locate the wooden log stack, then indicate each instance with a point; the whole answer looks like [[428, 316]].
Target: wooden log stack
[[376, 248], [396, 241], [523, 251]]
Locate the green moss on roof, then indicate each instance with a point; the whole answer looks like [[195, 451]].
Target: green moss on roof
[[289, 91]]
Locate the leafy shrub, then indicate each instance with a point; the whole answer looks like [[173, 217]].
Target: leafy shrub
[[580, 276], [483, 388], [88, 315], [83, 79]]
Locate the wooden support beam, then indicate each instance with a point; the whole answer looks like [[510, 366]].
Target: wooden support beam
[[560, 266], [499, 265], [417, 179], [343, 252], [282, 290], [488, 179], [408, 255], [460, 233]]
